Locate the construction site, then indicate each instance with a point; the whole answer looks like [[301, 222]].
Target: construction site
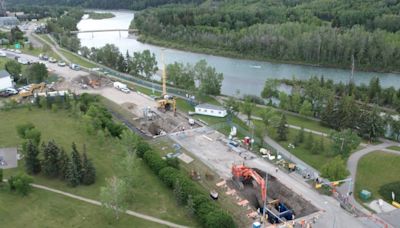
[[243, 177], [249, 181]]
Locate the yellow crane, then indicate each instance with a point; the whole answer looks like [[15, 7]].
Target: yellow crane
[[165, 102]]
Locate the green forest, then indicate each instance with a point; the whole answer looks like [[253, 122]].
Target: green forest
[[102, 4], [318, 32], [315, 32]]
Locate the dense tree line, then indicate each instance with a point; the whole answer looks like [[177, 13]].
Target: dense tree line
[[102, 4], [61, 26], [340, 106], [281, 32], [208, 80]]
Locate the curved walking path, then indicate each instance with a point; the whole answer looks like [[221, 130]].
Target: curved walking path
[[352, 164], [98, 203]]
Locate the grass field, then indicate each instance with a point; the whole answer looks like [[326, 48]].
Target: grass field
[[297, 120], [45, 37], [77, 60], [374, 170], [150, 195], [315, 160], [45, 209], [394, 148]]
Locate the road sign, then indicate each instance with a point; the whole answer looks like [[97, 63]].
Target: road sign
[[17, 46]]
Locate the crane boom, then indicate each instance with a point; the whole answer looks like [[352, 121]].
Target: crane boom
[[164, 75]]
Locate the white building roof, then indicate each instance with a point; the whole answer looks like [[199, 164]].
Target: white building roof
[[4, 74], [210, 106]]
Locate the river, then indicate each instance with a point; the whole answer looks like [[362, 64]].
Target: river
[[247, 76]]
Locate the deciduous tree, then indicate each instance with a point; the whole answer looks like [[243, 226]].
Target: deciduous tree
[[114, 196], [335, 169]]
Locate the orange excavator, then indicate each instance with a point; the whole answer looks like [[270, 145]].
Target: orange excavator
[[241, 173]]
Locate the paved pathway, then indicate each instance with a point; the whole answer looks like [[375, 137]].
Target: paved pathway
[[352, 164], [97, 203]]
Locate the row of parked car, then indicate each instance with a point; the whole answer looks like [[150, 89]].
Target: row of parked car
[[51, 60], [8, 92]]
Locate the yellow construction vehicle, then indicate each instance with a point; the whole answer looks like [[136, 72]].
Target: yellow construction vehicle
[[27, 93], [166, 102], [33, 87]]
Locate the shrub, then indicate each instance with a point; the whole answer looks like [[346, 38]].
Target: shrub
[[220, 219], [20, 183], [168, 175], [155, 162], [141, 148], [387, 189], [173, 162]]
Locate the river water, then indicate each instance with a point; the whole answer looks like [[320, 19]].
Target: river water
[[247, 76]]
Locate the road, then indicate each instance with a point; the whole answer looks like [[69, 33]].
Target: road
[[29, 33]]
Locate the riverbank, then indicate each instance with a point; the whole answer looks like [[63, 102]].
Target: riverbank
[[232, 54], [100, 16]]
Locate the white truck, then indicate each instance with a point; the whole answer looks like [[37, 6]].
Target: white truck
[[121, 86]]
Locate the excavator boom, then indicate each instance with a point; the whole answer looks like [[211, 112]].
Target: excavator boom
[[243, 172]]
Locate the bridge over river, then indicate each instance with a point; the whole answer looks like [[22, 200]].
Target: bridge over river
[[105, 30]]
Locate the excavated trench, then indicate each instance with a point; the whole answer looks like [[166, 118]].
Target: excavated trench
[[275, 191]]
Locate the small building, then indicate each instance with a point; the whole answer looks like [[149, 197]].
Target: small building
[[5, 80], [210, 110], [8, 158], [9, 21]]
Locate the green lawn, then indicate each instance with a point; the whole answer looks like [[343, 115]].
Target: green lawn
[[315, 160], [45, 37], [297, 120], [394, 148], [150, 195], [77, 59], [374, 170], [45, 209]]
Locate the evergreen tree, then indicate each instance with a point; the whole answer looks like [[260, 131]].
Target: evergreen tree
[[282, 129], [315, 148], [322, 144], [88, 171], [300, 137], [63, 161], [309, 141], [374, 90], [328, 115], [72, 176], [32, 162], [76, 159], [348, 113], [50, 163]]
